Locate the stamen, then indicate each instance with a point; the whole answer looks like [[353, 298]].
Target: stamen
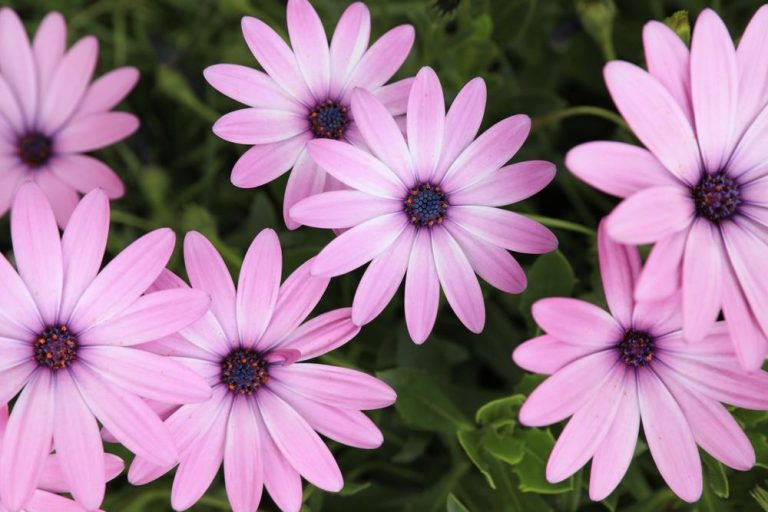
[[716, 197], [425, 205], [56, 348], [34, 149], [636, 349], [243, 371], [329, 120]]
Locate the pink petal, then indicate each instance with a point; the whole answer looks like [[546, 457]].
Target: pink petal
[[702, 279], [42, 501], [10, 179], [752, 70], [107, 91], [426, 121], [84, 174], [208, 272], [359, 245], [661, 274], [276, 58], [78, 443], [281, 480], [546, 354], [589, 425], [383, 136], [251, 87], [322, 334], [124, 279], [567, 390], [19, 317], [37, 249], [508, 185], [95, 132], [651, 215], [17, 63], [10, 108], [342, 209], [62, 197], [27, 440], [15, 377], [258, 286], [422, 288], [748, 161], [243, 461], [617, 168], [504, 228], [382, 278], [458, 280], [656, 119], [53, 479], [748, 338], [265, 162], [350, 40], [306, 180], [260, 126], [48, 46], [487, 153], [68, 84], [298, 443], [461, 124], [668, 62], [619, 268], [669, 438], [394, 96], [356, 168], [576, 321], [310, 45]]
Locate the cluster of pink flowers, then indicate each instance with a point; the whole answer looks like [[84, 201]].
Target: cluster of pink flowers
[[208, 374]]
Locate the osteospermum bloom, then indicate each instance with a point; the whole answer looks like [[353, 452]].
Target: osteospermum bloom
[[613, 371], [52, 480], [305, 94], [428, 206], [66, 331], [51, 113], [267, 401], [700, 190]]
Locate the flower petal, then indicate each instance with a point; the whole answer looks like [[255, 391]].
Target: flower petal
[[504, 228], [752, 70], [749, 340], [426, 122], [619, 268], [260, 126], [422, 289], [349, 42], [661, 275], [107, 91], [576, 321], [243, 461], [48, 46], [546, 354], [266, 162], [306, 180], [508, 185], [668, 62], [342, 209], [84, 174], [382, 60], [702, 279], [282, 481], [310, 45], [651, 215], [17, 63], [95, 132], [258, 286], [251, 87]]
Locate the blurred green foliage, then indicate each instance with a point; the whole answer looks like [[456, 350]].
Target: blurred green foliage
[[452, 441]]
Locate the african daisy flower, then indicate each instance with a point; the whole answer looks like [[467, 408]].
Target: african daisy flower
[[305, 94], [66, 332], [267, 402], [52, 480], [701, 188], [428, 209], [612, 371], [51, 113]]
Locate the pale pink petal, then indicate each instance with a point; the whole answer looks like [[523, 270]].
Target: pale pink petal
[[394, 96], [68, 84], [382, 136], [458, 280], [617, 168], [124, 279], [382, 60], [382, 278], [251, 87], [298, 443], [258, 286], [359, 245], [276, 58], [651, 215], [422, 289], [208, 272], [10, 179], [614, 455], [748, 161], [661, 275], [15, 377], [27, 440], [576, 321], [619, 268], [306, 180], [669, 438], [95, 132], [322, 334], [178, 346], [42, 501], [508, 185], [19, 317], [62, 197], [243, 461], [487, 153], [48, 46], [546, 354], [702, 279], [260, 126], [589, 425], [426, 122], [37, 249], [749, 340], [310, 46], [107, 91], [744, 250], [752, 70], [504, 228], [567, 390], [342, 209], [84, 174], [668, 61], [656, 119], [53, 479], [350, 40], [17, 63], [265, 162], [281, 480], [10, 109], [208, 334], [78, 444]]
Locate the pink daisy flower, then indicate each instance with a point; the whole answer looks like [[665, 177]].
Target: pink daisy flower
[[66, 336], [51, 113], [700, 190], [267, 401], [305, 94], [612, 371], [52, 480], [428, 209]]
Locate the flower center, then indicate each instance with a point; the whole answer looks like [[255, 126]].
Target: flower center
[[329, 119], [243, 371], [56, 348], [636, 349], [425, 205], [34, 149], [716, 197]]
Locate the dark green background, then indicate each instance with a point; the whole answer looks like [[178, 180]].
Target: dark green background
[[541, 58]]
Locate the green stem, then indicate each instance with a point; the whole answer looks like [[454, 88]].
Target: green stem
[[128, 219], [583, 110], [562, 224]]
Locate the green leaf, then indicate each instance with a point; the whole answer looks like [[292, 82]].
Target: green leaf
[[679, 23], [597, 18], [714, 475], [454, 505], [500, 411], [531, 470], [550, 276], [472, 442]]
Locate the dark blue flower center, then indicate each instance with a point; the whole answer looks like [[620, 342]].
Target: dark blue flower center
[[56, 348], [329, 119], [243, 371], [34, 149], [716, 197], [636, 349], [426, 205]]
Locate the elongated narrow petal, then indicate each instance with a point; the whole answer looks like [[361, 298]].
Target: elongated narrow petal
[[661, 276], [260, 126], [84, 174], [545, 354], [426, 123], [422, 289], [651, 215], [281, 480], [305, 180], [258, 286], [95, 132], [18, 62], [505, 229], [107, 91], [48, 46], [251, 87], [310, 45], [322, 334], [342, 209], [702, 279], [243, 459], [619, 268], [382, 60], [349, 42], [668, 61], [266, 162], [749, 340], [578, 322], [508, 185]]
